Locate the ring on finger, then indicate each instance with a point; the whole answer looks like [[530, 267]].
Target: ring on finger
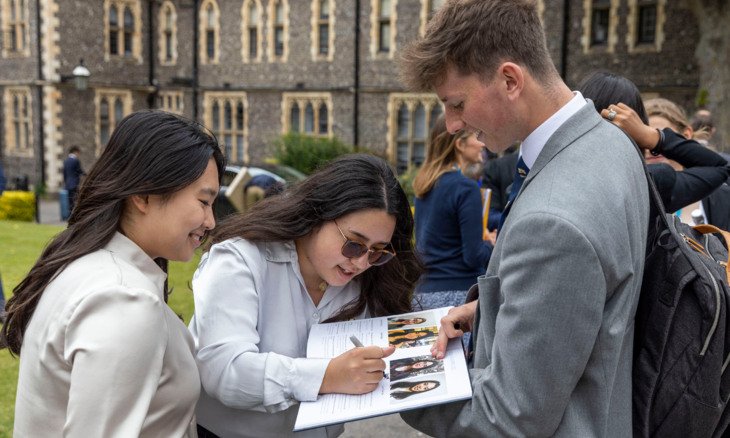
[[611, 115]]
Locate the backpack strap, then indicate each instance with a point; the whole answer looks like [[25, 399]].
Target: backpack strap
[[711, 229], [656, 199]]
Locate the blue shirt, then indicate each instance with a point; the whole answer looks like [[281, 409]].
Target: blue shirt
[[449, 234]]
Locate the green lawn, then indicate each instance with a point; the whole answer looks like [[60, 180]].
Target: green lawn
[[20, 245]]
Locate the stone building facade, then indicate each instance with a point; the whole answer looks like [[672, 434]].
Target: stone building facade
[[251, 70]]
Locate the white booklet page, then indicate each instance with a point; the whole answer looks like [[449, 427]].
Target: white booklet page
[[414, 378]]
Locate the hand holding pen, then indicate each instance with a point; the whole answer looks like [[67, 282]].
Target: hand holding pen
[[356, 371]]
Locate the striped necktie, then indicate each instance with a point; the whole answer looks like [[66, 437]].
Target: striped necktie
[[521, 172]]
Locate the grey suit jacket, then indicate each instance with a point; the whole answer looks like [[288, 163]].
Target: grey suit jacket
[[554, 330]]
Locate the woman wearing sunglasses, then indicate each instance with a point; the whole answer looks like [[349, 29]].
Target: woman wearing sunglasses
[[336, 246]]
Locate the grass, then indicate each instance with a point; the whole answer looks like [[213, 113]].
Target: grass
[[22, 243]]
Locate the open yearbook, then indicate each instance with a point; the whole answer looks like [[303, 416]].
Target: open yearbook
[[413, 377]]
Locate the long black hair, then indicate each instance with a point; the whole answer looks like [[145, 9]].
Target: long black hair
[[149, 153], [605, 89], [408, 385], [345, 185]]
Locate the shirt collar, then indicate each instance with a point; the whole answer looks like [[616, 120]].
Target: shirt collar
[[280, 251], [533, 144], [127, 250]]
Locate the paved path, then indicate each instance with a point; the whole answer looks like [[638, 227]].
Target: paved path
[[50, 211], [389, 426]]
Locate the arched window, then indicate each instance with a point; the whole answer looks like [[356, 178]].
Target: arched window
[[278, 13], [168, 33], [251, 30], [227, 119], [307, 112], [14, 20], [209, 32], [112, 106], [128, 27], [412, 116], [294, 118], [122, 28]]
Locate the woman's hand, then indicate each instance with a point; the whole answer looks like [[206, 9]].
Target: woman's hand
[[627, 119], [357, 371]]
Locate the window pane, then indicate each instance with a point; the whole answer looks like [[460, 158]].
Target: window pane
[[168, 46], [127, 42], [114, 43], [253, 41], [294, 118], [324, 9], [253, 14], [419, 153], [647, 24], [210, 17], [239, 116], [279, 41], [168, 19], [599, 27], [210, 44], [216, 119], [113, 19], [17, 134], [239, 147], [309, 119], [228, 142], [401, 157], [324, 39], [323, 122], [118, 112], [227, 117], [279, 13], [384, 36], [403, 122], [104, 121], [436, 111], [384, 8], [128, 19], [16, 107], [419, 126]]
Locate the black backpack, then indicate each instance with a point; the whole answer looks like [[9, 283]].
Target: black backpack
[[682, 333]]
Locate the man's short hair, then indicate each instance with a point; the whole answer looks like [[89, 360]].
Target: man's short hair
[[74, 150], [476, 36]]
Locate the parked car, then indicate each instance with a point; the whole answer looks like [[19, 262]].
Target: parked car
[[283, 174]]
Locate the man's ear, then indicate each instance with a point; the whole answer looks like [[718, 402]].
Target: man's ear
[[140, 202], [513, 77]]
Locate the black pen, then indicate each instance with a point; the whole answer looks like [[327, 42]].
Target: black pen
[[356, 342]]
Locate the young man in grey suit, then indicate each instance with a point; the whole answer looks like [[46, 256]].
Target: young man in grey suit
[[553, 327]]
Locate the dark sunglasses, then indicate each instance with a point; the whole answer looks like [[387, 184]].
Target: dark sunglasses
[[353, 250]]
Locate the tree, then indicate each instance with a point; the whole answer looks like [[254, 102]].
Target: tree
[[713, 56]]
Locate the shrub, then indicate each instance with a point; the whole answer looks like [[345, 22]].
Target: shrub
[[17, 205], [406, 182], [306, 153]]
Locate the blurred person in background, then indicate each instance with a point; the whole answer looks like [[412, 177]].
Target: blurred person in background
[[619, 100], [449, 219]]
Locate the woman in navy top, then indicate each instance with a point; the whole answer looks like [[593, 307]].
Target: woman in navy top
[[449, 219]]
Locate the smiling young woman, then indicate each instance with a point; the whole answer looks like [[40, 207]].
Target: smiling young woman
[[101, 353], [335, 247]]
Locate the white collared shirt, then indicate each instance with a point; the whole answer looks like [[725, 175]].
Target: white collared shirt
[[533, 144], [252, 320], [103, 354]]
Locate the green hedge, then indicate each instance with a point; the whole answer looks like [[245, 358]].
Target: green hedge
[[16, 205], [306, 153]]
